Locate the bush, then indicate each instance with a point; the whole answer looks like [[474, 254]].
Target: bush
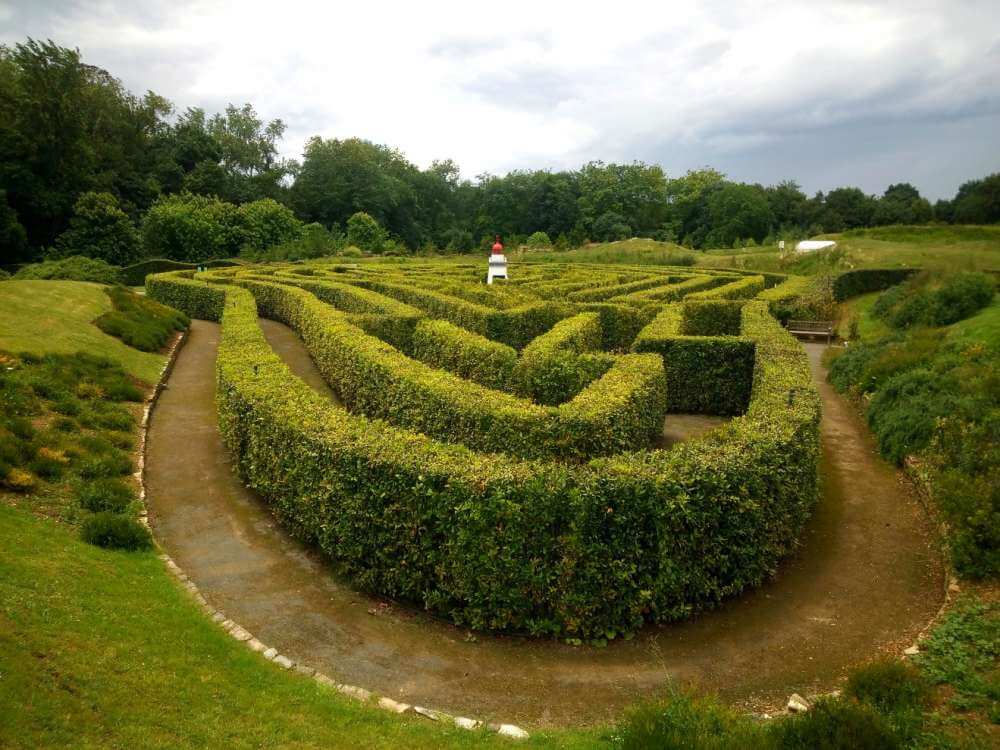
[[888, 686], [115, 531], [365, 233], [135, 275], [74, 268], [192, 228], [686, 723], [835, 725], [105, 495], [959, 297], [551, 369], [100, 229], [113, 464], [440, 344], [266, 222], [139, 322], [539, 240], [864, 280], [747, 287], [902, 413]]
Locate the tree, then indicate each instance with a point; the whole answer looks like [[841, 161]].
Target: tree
[[902, 204], [635, 192], [539, 240], [788, 204], [978, 201], [609, 227], [735, 211], [365, 233], [100, 229], [848, 208], [13, 238], [248, 148]]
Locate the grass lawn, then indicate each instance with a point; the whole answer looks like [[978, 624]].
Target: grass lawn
[[44, 317], [104, 649], [984, 327], [869, 328]]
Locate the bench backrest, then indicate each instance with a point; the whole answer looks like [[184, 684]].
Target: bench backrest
[[810, 325]]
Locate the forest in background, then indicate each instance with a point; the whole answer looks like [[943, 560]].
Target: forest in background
[[89, 168]]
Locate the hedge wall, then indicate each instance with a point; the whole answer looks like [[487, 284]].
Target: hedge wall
[[746, 288], [135, 275], [705, 374], [543, 548], [551, 369], [783, 298], [373, 378], [864, 280], [443, 345], [673, 291]]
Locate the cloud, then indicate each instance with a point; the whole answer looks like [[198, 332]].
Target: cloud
[[826, 92]]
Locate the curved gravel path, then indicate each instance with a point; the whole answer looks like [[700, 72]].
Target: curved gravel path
[[866, 580]]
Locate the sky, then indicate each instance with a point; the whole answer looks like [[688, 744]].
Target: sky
[[825, 93]]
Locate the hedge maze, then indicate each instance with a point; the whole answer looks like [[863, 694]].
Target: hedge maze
[[494, 454]]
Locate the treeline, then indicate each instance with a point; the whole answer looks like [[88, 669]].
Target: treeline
[[88, 167]]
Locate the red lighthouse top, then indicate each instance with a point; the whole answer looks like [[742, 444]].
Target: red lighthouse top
[[498, 247]]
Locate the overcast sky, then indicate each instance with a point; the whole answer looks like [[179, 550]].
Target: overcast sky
[[826, 93]]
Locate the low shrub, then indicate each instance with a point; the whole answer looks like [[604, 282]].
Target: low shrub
[[683, 722], [865, 280], [116, 463], [105, 495], [551, 370], [888, 686], [115, 531], [74, 268], [19, 480], [835, 725], [141, 323]]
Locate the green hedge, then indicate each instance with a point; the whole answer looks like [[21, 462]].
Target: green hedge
[[135, 275], [551, 370], [705, 374], [711, 318], [375, 379], [587, 551], [619, 323], [864, 280], [514, 327], [606, 292], [746, 288], [443, 345], [194, 298], [784, 298], [674, 291]]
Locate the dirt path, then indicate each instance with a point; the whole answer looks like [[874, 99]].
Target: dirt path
[[867, 579]]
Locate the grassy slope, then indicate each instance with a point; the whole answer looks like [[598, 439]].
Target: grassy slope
[[946, 248], [56, 316], [104, 649]]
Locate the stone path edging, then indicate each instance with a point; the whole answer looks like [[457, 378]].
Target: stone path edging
[[244, 636]]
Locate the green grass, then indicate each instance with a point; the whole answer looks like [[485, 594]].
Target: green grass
[[983, 327], [946, 248], [870, 328], [102, 649], [43, 317]]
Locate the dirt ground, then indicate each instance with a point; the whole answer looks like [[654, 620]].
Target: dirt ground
[[867, 578]]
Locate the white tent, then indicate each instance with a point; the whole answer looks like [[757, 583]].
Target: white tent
[[809, 246]]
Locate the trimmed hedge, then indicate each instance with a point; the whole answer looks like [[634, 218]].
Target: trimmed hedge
[[619, 323], [443, 345], [603, 293], [674, 291], [706, 374], [784, 298], [373, 378], [179, 291], [551, 370], [135, 275], [746, 288], [544, 548], [864, 280]]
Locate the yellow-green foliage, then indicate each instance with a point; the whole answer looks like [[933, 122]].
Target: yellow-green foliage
[[587, 550], [746, 288]]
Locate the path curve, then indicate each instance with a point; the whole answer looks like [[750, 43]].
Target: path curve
[[866, 580]]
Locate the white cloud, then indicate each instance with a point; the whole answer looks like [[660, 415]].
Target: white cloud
[[528, 84]]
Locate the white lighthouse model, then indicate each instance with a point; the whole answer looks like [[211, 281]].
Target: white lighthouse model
[[498, 263]]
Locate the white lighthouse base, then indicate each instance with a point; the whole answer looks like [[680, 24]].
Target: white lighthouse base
[[497, 269]]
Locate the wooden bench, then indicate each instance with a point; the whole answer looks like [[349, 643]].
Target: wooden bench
[[811, 328]]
